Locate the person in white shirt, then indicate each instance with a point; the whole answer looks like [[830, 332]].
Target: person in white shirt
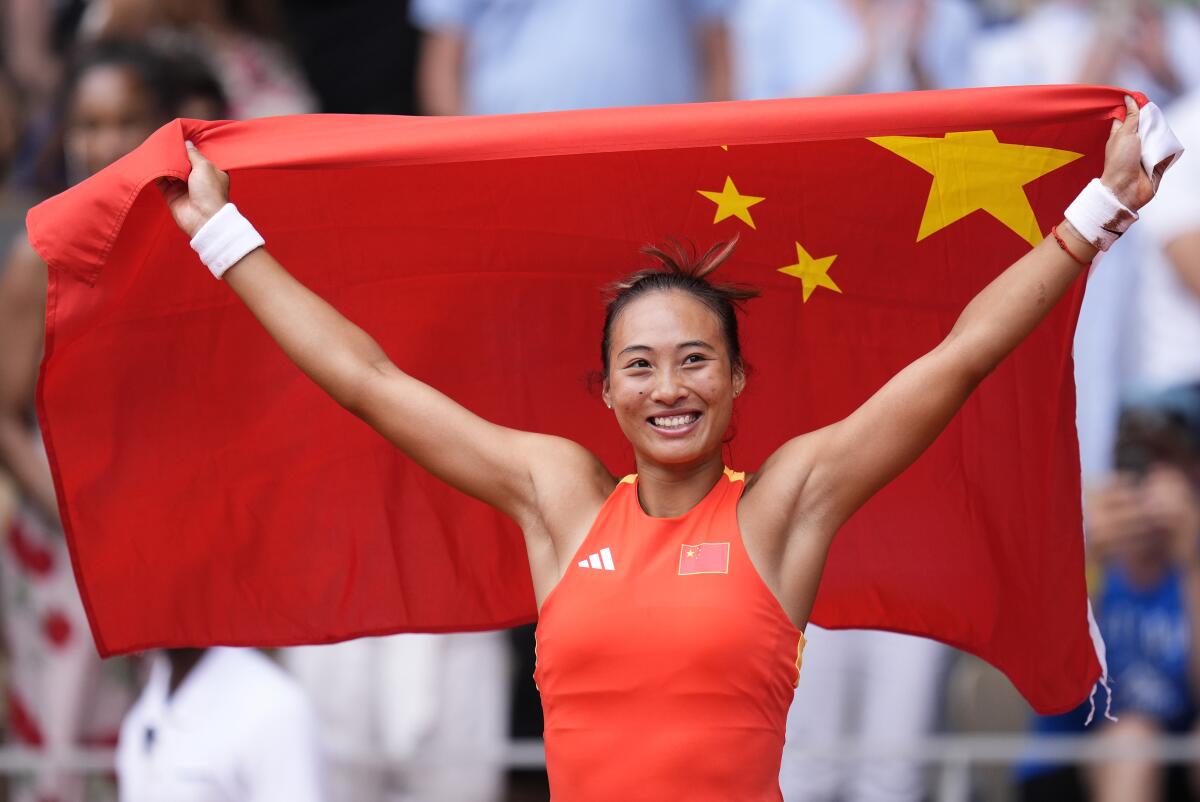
[[782, 48], [1168, 304], [219, 725]]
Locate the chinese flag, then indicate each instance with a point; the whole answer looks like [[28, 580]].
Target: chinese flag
[[213, 495]]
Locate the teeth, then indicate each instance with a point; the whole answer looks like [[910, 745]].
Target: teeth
[[674, 421]]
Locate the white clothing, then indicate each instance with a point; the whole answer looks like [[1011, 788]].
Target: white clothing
[[238, 729], [1050, 43], [1168, 312], [60, 695], [1105, 349], [878, 687], [783, 48], [434, 707]]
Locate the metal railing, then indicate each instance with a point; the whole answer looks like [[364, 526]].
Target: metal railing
[[952, 756]]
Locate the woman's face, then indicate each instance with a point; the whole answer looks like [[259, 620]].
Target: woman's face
[[111, 113], [670, 380]]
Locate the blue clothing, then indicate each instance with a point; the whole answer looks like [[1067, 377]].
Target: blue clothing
[[544, 55], [786, 48], [1148, 640]]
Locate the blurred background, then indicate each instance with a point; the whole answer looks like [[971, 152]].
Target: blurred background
[[877, 716]]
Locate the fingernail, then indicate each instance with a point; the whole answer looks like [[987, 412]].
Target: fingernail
[[189, 143]]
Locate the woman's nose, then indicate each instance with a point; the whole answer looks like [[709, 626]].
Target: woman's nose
[[668, 388]]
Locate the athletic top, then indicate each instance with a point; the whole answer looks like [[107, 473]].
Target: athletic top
[[666, 665]]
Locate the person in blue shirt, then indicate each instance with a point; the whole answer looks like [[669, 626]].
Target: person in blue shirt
[[1143, 528], [511, 56]]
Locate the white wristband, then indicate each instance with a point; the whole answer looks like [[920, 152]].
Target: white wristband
[[225, 239], [1099, 216]]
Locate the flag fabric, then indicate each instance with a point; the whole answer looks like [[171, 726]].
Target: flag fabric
[[213, 495], [704, 558]]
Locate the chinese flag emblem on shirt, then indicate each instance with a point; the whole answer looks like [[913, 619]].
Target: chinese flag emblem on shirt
[[212, 494], [704, 558]]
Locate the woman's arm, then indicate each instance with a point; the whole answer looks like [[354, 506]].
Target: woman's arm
[[22, 312], [828, 474], [503, 467]]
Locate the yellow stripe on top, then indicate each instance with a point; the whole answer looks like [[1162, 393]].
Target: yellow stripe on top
[[799, 659], [730, 474]]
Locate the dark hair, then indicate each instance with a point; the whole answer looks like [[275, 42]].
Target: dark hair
[[151, 69], [678, 268], [48, 173], [192, 78], [1161, 427]]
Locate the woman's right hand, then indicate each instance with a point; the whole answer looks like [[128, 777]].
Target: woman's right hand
[[205, 192]]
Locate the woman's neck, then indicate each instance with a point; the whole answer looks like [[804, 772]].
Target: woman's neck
[[666, 491]]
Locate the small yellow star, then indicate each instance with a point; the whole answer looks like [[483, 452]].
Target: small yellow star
[[731, 204], [725, 148], [812, 272], [972, 170]]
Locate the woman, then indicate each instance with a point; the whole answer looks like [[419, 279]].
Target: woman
[[672, 602], [60, 695]]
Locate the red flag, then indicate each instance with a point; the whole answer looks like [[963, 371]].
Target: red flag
[[212, 494], [704, 558]]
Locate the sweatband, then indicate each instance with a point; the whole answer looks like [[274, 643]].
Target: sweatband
[[1099, 216], [225, 239]]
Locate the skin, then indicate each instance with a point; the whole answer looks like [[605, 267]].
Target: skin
[[109, 115], [1184, 254], [667, 356]]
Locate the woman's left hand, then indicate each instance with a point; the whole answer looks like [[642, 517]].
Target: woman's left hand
[[1123, 172]]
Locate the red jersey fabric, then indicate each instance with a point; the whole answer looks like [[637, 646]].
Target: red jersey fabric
[[665, 663]]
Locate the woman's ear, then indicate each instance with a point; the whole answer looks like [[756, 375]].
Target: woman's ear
[[604, 393], [739, 382]]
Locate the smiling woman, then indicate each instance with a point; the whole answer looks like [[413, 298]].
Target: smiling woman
[[671, 353], [672, 600]]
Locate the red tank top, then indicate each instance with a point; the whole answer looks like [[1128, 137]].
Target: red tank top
[[666, 665]]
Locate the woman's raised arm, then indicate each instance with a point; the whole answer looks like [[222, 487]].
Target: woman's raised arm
[[830, 473], [503, 467]]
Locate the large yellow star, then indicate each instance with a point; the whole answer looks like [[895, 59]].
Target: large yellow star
[[812, 272], [731, 204], [973, 170]]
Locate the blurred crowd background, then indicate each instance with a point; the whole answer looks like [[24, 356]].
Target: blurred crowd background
[[438, 717]]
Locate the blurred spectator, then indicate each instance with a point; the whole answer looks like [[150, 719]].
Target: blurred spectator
[[1168, 310], [360, 55], [219, 725], [197, 93], [12, 202], [876, 687], [239, 38], [33, 41], [1141, 44], [60, 695], [433, 706], [1144, 529], [840, 47], [500, 57]]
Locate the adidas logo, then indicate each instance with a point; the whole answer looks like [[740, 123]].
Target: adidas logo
[[602, 559]]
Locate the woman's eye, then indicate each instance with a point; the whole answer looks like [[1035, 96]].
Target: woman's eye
[[691, 359], [638, 363]]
